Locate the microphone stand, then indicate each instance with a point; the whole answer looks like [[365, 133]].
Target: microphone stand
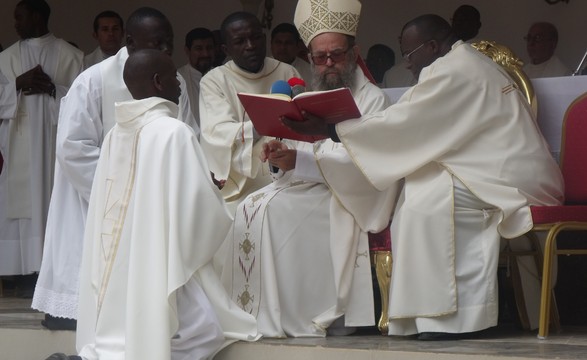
[[576, 72]]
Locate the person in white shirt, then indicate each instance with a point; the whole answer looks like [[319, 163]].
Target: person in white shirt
[[199, 49], [285, 41], [37, 72], [108, 32], [466, 22], [541, 42], [380, 58]]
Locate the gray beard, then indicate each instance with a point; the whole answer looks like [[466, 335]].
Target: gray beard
[[345, 78]]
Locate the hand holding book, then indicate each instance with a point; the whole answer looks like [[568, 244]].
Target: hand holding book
[[266, 110]]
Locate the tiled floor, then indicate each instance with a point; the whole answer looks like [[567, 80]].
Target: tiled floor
[[503, 342]]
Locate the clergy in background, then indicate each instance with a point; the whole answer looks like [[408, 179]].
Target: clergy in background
[[108, 32], [199, 49], [285, 45], [38, 70]]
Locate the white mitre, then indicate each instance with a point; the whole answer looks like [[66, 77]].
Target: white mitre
[[314, 17]]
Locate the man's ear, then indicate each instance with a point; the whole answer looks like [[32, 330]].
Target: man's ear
[[130, 43], [95, 35], [356, 51], [224, 49], [157, 82]]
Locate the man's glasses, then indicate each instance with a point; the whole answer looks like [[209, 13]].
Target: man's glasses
[[408, 55], [335, 56], [538, 39]]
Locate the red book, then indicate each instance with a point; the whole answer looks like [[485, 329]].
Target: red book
[[264, 110]]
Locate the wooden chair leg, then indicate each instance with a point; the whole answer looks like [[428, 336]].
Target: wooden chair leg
[[546, 295], [383, 262]]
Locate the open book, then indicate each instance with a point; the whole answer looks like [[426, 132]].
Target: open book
[[264, 110]]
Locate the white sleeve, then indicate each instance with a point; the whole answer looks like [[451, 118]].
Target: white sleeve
[[80, 131], [307, 168]]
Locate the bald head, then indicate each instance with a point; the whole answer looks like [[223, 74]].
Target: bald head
[[149, 73]]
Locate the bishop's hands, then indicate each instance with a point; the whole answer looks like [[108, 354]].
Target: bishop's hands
[[279, 155], [313, 125], [35, 81]]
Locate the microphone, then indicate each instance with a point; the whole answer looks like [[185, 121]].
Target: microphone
[[298, 86], [281, 87]]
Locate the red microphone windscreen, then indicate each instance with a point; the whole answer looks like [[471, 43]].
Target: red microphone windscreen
[[296, 81]]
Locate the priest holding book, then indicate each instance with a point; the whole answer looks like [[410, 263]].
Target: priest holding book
[[299, 220]]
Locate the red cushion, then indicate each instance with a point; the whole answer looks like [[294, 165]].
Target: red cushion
[[380, 241], [554, 214], [574, 152]]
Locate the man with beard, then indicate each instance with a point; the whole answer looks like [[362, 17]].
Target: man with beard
[[199, 49], [229, 140], [298, 256]]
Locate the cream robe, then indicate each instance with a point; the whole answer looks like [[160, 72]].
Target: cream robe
[[27, 143], [228, 139], [454, 124], [553, 67], [148, 239], [87, 114], [192, 78], [299, 257]]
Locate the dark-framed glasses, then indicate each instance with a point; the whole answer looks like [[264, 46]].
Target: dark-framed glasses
[[335, 56]]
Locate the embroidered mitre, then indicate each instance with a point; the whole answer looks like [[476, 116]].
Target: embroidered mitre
[[314, 17]]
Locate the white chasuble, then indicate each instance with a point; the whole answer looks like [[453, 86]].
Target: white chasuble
[[452, 125]]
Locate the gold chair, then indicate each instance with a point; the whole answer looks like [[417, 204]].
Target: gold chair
[[505, 57], [380, 250]]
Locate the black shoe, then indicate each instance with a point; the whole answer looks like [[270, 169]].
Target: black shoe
[[61, 356], [442, 336], [57, 323]]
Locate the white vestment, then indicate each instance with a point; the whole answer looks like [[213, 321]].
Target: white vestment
[[299, 257], [27, 141], [473, 160], [155, 219], [229, 140], [552, 67], [87, 114], [192, 79], [94, 57]]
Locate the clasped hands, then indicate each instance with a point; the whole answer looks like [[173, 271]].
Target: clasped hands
[[279, 155], [35, 81]]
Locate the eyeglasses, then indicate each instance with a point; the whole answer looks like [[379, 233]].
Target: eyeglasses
[[538, 39], [407, 56], [335, 56]]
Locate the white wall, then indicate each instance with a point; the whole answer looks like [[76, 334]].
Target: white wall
[[505, 21]]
